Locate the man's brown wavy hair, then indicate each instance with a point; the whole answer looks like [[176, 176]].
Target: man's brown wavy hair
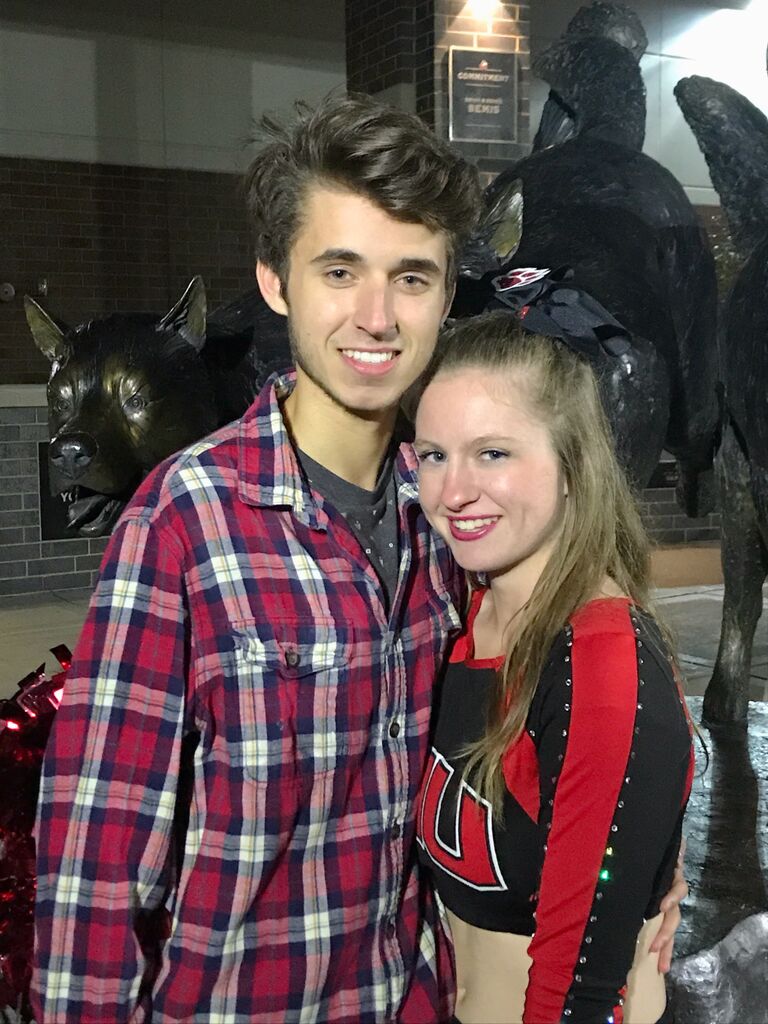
[[386, 155]]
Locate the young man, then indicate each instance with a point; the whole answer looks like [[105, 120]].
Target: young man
[[245, 726]]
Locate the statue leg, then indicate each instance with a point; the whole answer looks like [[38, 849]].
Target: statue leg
[[694, 412], [634, 390], [745, 566]]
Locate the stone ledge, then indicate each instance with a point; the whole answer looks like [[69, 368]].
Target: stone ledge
[[15, 396], [686, 565]]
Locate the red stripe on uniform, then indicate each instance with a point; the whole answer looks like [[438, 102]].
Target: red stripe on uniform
[[603, 707]]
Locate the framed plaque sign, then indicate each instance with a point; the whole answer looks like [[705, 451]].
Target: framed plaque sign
[[482, 87]]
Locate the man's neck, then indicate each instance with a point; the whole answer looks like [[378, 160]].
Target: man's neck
[[345, 443]]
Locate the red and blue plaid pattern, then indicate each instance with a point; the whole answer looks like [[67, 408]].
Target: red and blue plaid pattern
[[237, 650]]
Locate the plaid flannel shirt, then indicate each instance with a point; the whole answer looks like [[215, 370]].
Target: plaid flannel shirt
[[239, 749]]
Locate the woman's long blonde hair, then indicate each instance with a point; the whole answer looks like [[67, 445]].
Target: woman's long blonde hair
[[601, 534]]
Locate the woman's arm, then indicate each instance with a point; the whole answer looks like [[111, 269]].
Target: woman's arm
[[664, 943], [613, 751]]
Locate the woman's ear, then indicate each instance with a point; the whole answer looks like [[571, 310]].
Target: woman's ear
[[271, 288]]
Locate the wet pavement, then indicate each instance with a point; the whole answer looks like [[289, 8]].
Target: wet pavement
[[726, 828], [720, 971]]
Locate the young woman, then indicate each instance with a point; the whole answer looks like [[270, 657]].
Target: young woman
[[552, 807]]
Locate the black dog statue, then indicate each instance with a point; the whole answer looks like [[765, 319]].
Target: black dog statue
[[633, 383], [609, 21], [733, 135], [128, 390], [624, 224]]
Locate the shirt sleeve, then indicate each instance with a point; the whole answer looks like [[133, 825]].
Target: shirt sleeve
[[109, 783], [612, 783]]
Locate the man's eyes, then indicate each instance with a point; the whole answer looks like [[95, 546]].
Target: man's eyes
[[411, 282], [414, 282], [340, 274]]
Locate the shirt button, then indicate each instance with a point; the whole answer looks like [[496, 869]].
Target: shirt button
[[292, 659], [396, 830], [394, 730]]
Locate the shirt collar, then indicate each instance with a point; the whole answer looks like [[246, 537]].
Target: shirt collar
[[269, 473], [406, 467]]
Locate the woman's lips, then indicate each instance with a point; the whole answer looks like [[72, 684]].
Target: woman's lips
[[473, 527]]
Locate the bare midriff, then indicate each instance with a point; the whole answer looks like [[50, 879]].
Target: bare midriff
[[492, 975]]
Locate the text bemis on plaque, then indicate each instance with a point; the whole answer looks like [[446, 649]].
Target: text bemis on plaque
[[482, 95]]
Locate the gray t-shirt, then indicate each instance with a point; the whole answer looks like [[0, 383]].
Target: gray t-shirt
[[371, 515]]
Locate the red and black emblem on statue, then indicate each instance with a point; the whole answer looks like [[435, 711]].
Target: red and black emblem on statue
[[520, 277], [551, 304], [470, 855]]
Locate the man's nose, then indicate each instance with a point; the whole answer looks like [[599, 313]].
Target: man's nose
[[375, 313]]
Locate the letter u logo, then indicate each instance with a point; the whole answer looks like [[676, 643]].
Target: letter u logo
[[471, 858]]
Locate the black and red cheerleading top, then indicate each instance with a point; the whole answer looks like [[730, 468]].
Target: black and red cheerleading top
[[596, 789]]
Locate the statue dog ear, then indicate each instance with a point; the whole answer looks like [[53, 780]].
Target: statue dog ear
[[497, 237], [505, 220], [47, 334], [188, 316]]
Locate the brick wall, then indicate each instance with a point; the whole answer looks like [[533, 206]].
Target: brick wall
[[667, 525], [112, 238], [383, 40], [27, 564], [400, 51]]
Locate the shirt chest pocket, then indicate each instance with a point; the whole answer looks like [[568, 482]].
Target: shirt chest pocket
[[288, 699]]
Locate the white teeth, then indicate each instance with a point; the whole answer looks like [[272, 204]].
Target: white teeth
[[369, 357], [469, 525]]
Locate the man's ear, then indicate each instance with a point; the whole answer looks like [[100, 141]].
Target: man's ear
[[450, 294], [271, 288]]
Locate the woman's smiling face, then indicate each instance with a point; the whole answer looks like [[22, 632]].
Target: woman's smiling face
[[490, 481]]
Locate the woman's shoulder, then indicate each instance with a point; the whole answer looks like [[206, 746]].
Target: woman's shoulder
[[609, 639], [604, 615]]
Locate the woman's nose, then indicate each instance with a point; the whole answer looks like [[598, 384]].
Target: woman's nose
[[459, 487]]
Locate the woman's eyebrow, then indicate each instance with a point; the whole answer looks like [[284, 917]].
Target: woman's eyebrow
[[487, 438]]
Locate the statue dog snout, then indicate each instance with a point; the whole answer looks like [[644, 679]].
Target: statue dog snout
[[72, 454]]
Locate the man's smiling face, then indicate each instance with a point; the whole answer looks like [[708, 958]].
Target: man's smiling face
[[365, 298]]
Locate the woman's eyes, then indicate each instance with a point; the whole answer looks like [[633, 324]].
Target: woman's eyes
[[486, 455], [430, 456]]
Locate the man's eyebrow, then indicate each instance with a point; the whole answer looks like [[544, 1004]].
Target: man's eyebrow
[[426, 266], [339, 256]]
